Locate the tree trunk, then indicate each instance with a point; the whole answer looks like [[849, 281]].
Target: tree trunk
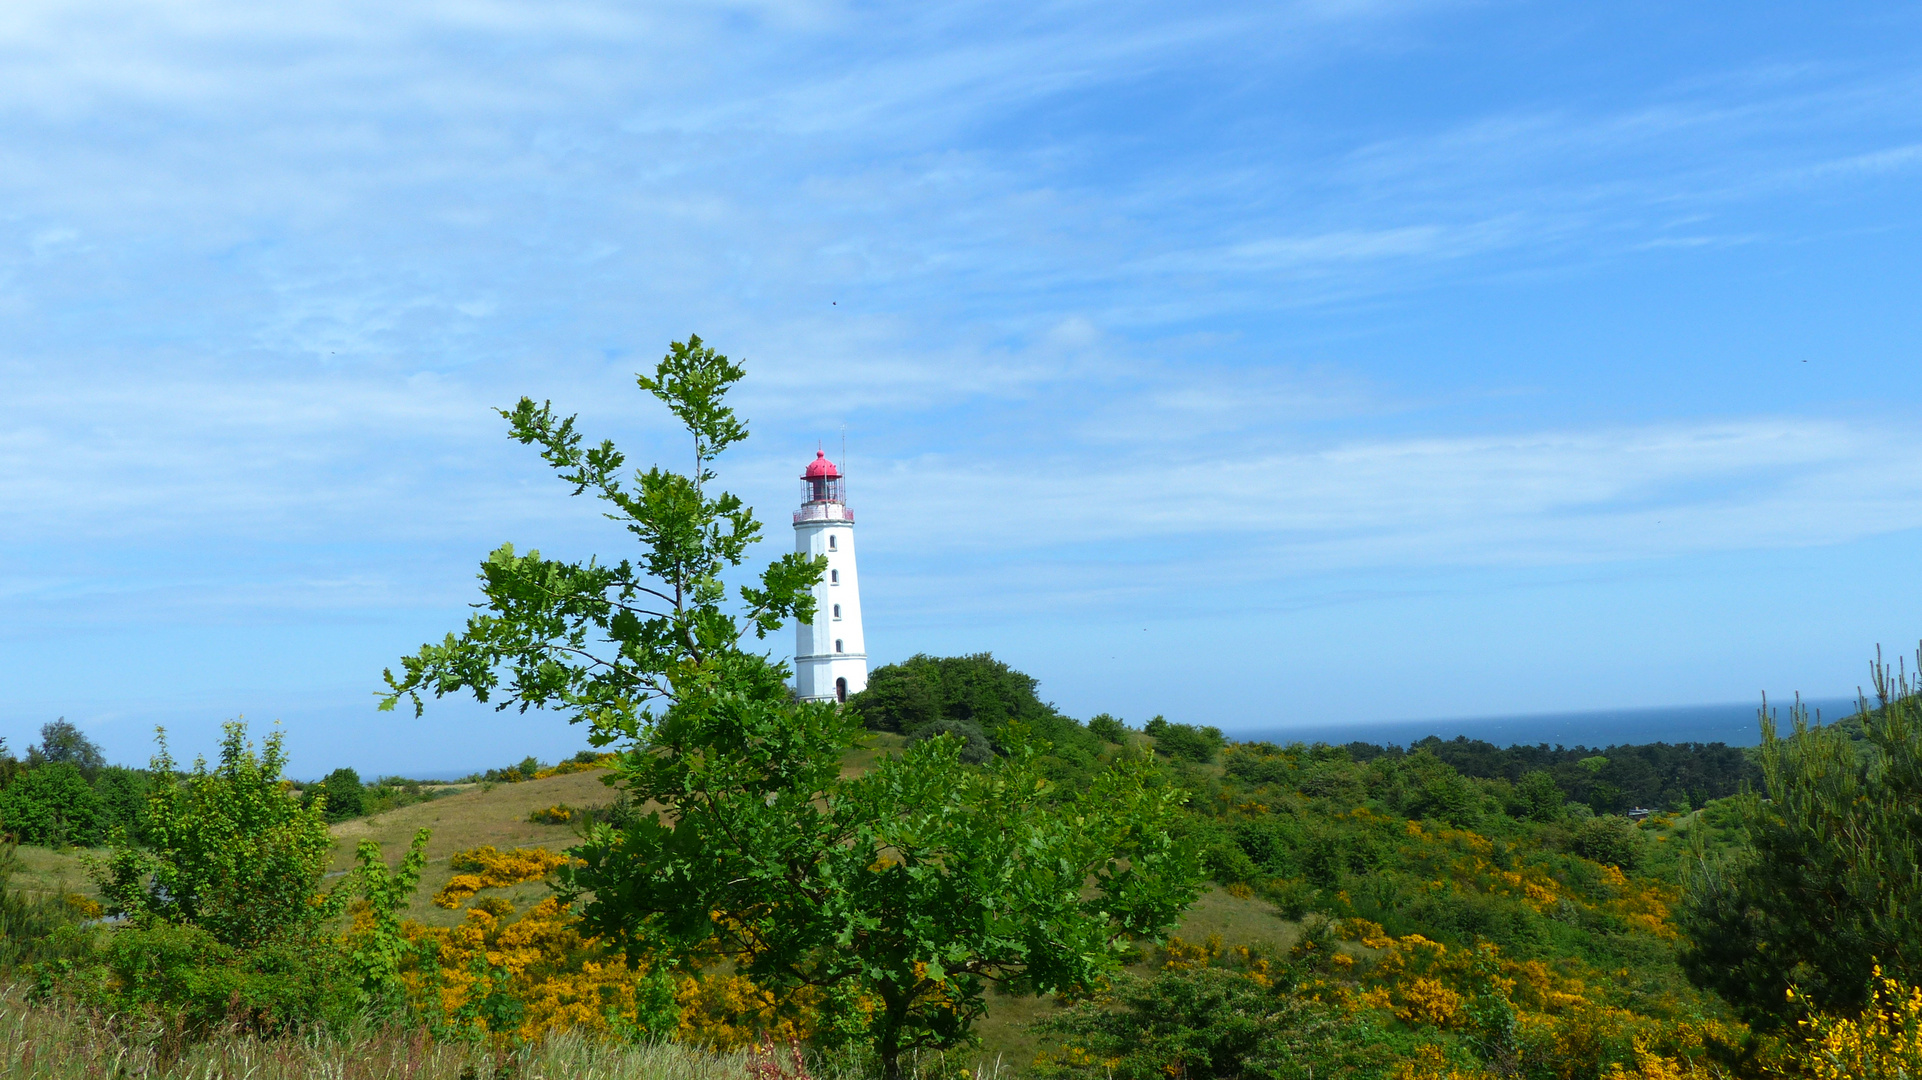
[[888, 1045]]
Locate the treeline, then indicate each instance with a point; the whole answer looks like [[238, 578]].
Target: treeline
[[64, 792], [1654, 776], [975, 698]]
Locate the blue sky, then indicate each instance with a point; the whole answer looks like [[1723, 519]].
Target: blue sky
[[1255, 365]]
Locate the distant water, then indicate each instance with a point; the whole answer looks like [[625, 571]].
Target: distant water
[[1732, 724]]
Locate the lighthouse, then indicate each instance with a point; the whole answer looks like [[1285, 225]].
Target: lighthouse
[[830, 655]]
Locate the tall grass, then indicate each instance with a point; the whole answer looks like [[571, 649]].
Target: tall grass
[[55, 1042], [51, 1042]]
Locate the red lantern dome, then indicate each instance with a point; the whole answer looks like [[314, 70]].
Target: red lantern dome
[[821, 467], [821, 485]]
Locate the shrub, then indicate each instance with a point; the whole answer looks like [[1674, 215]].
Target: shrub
[[51, 804], [230, 851], [185, 977], [1186, 742], [344, 793], [1205, 1023], [1538, 798], [975, 747], [1108, 729], [1612, 840], [978, 691], [1884, 1043]]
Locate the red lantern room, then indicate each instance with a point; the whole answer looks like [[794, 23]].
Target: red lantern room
[[821, 483]]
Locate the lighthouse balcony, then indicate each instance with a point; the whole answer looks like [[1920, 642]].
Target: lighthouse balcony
[[823, 511]]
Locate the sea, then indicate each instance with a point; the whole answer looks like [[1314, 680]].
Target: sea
[[1733, 723]]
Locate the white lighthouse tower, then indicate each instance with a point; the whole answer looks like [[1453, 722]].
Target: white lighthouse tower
[[830, 655]]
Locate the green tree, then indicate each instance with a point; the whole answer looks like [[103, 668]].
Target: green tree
[[1831, 880], [976, 698], [1187, 742], [63, 743], [1539, 798], [122, 793], [345, 795], [51, 804], [1108, 729], [228, 850], [914, 883]]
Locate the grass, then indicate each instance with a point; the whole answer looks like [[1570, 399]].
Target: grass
[[55, 1043], [47, 1042], [486, 814], [44, 872]]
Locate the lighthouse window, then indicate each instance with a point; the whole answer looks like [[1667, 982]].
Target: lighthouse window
[[830, 542], [837, 611], [834, 577], [837, 645]]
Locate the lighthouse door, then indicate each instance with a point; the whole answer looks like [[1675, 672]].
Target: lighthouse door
[[840, 690]]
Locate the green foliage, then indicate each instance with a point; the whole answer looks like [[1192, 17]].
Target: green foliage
[[975, 747], [603, 642], [1674, 776], [1107, 728], [122, 794], [1207, 1023], [61, 743], [229, 850], [51, 804], [1186, 742], [344, 794], [1612, 840], [1831, 880], [375, 945], [184, 978], [974, 697], [1312, 830], [1537, 798], [915, 881]]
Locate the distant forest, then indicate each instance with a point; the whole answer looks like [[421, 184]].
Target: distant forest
[[1654, 776], [976, 697]]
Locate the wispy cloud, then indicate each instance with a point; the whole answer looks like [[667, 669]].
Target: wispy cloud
[[1173, 279]]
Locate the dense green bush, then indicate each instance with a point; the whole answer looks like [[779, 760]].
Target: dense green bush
[[975, 747], [974, 692], [51, 804], [1211, 1024], [1186, 742], [1613, 840], [1538, 798], [343, 793], [1107, 728], [229, 851], [186, 978], [1673, 776], [1830, 882]]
